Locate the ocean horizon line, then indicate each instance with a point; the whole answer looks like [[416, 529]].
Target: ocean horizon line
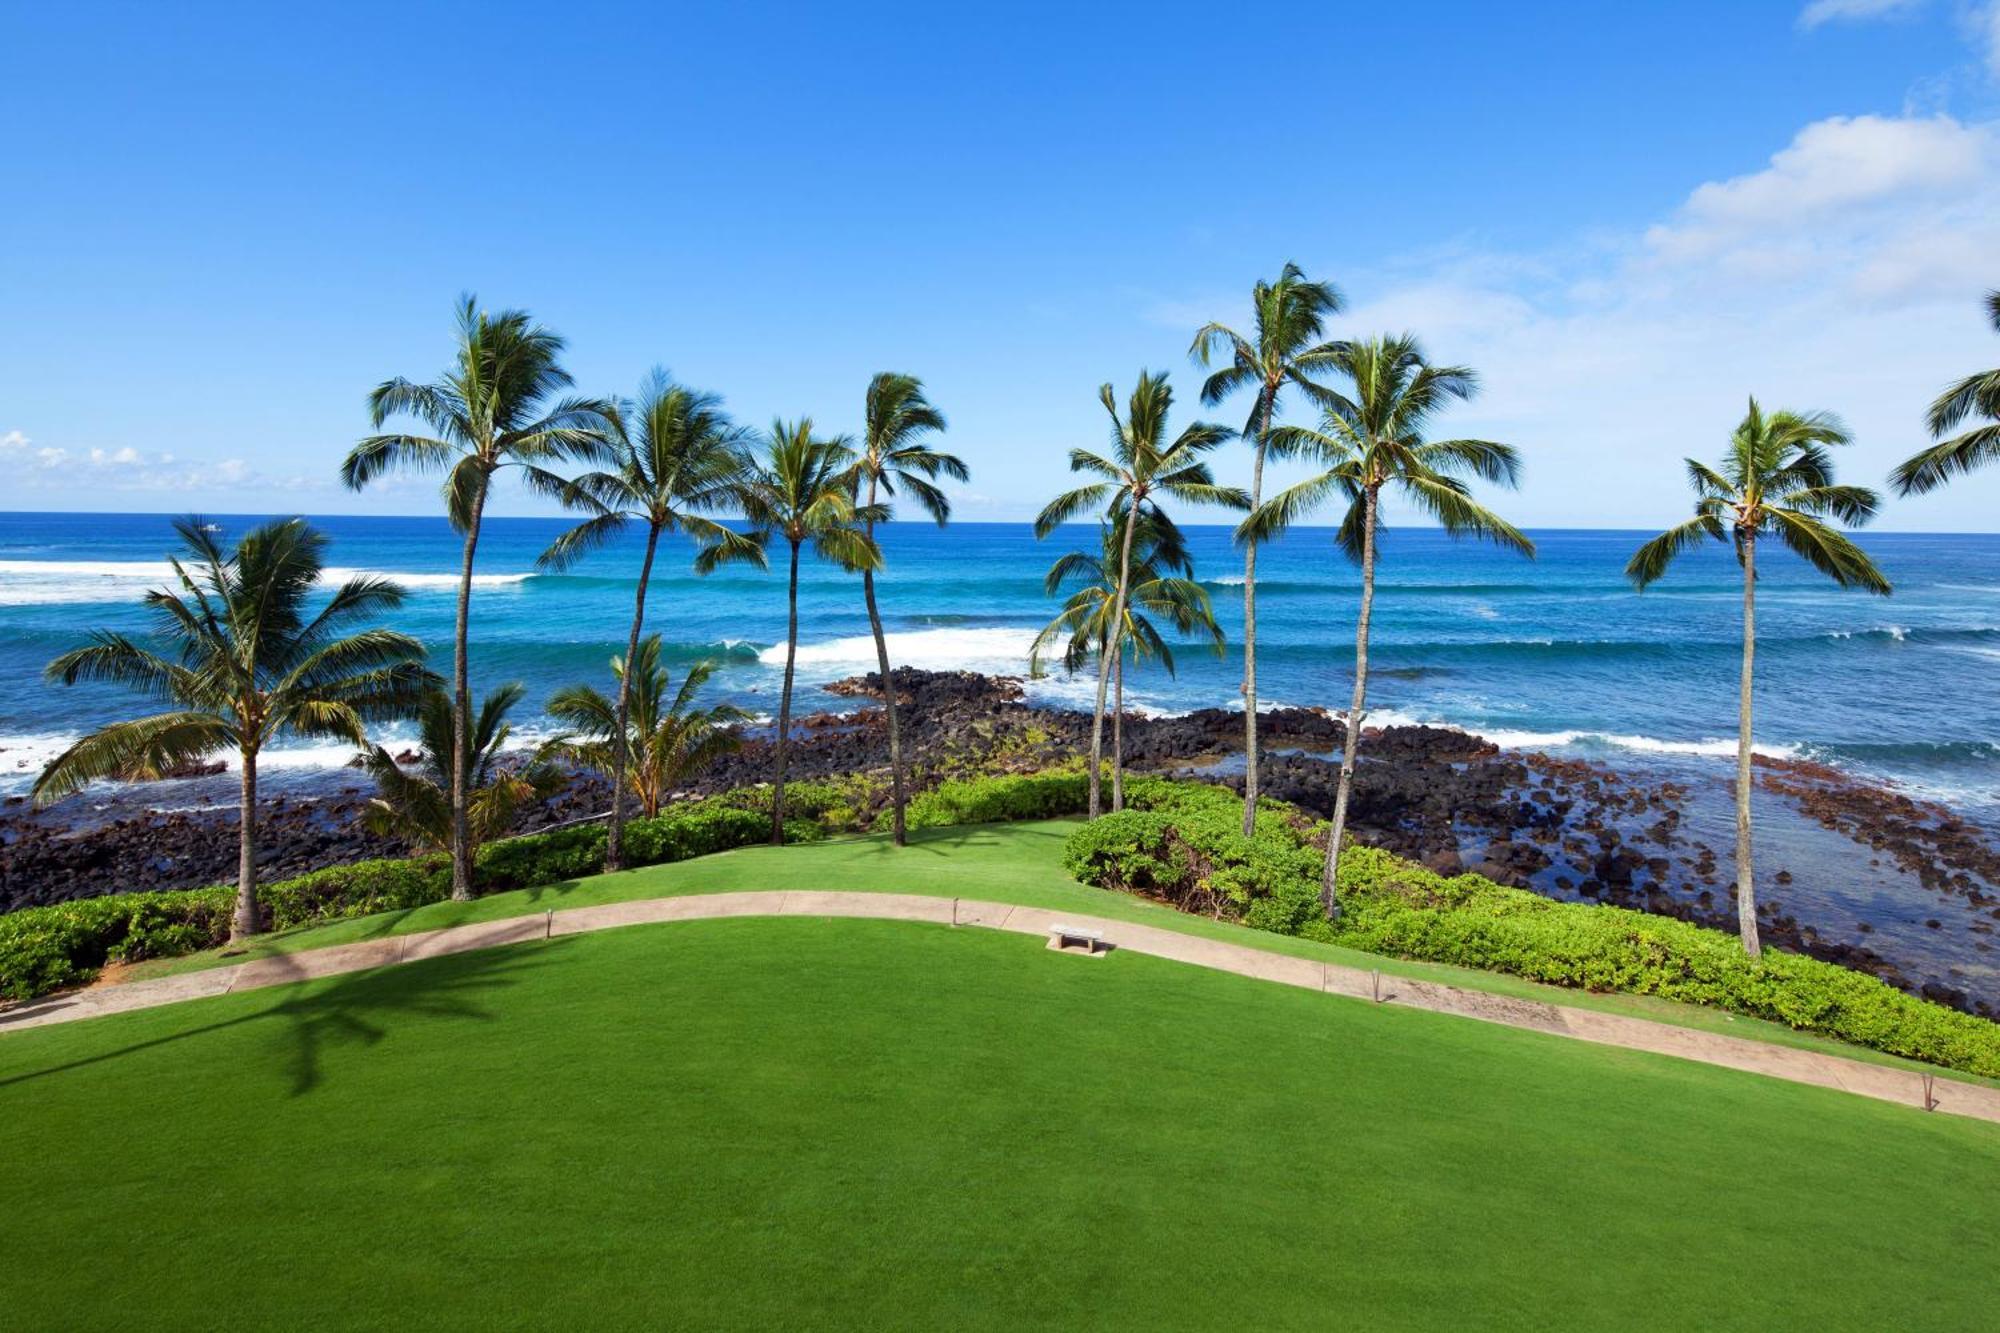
[[564, 516]]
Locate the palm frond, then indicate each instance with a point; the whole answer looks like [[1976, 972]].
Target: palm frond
[[1827, 549], [1933, 467], [1649, 563], [141, 748]]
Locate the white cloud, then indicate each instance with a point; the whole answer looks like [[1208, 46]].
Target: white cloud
[[1846, 276], [48, 468], [1986, 30], [1838, 11], [1978, 19], [1839, 168]]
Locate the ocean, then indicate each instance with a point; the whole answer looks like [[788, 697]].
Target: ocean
[[1557, 653]]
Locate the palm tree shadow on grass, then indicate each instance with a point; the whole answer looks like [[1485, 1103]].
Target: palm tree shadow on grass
[[354, 1009]]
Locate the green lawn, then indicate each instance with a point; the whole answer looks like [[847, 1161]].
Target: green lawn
[[1012, 863], [789, 1122]]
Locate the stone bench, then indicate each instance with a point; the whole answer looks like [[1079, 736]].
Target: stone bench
[[1070, 939]]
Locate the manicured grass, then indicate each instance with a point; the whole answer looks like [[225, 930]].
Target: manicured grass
[[789, 1122], [1012, 863]]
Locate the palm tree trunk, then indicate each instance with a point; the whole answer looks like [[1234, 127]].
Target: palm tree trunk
[[1356, 708], [461, 714], [785, 704], [1116, 642], [1267, 398], [246, 921], [896, 796], [1097, 725], [1118, 730], [1746, 891], [621, 749]]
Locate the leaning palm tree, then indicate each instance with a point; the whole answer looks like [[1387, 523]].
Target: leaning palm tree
[[667, 737], [243, 658], [1163, 586], [1142, 468], [1372, 440], [677, 458], [1776, 478], [498, 406], [802, 492], [1287, 349], [1975, 395], [895, 453], [414, 804]]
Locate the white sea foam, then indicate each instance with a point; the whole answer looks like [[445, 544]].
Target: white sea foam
[[29, 753], [1717, 747], [48, 582], [990, 649]]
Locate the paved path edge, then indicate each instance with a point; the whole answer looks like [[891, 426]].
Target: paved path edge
[[1883, 1082]]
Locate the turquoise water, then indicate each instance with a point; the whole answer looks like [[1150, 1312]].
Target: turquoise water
[[1557, 653]]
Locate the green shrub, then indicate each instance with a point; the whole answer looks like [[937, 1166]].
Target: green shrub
[[676, 833], [1183, 843], [535, 859], [165, 925], [1391, 906], [832, 805], [64, 944], [360, 889], [44, 949], [998, 799]]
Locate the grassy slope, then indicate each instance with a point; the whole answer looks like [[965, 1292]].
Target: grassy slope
[[1013, 863], [779, 1122]]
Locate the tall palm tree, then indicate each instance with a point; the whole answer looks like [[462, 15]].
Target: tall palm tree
[[668, 738], [1776, 479], [415, 804], [1975, 395], [1372, 440], [895, 452], [677, 458], [1142, 468], [1163, 586], [501, 404], [244, 658], [802, 492], [1287, 347]]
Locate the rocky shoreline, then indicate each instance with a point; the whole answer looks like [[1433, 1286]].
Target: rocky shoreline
[[1918, 887]]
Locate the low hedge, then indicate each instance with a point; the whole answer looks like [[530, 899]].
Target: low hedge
[[47, 948], [1394, 907], [359, 889], [994, 800], [1187, 848], [44, 949]]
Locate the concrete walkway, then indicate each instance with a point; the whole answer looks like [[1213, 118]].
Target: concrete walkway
[[1799, 1066]]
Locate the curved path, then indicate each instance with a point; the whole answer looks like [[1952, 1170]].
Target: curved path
[[1884, 1082]]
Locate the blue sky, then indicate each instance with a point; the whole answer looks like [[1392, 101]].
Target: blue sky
[[225, 224]]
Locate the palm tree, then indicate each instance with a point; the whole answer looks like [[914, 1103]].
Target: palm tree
[[1142, 468], [1776, 478], [803, 492], [415, 805], [677, 455], [894, 452], [1371, 441], [498, 406], [1162, 585], [668, 738], [1974, 395], [244, 659], [1287, 349]]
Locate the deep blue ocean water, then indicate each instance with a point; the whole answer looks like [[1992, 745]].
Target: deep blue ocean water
[[1556, 653]]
